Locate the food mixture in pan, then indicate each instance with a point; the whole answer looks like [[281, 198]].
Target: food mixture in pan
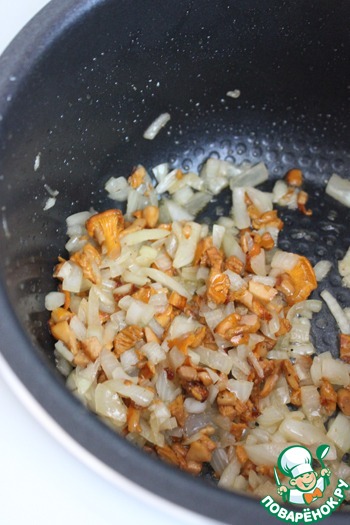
[[193, 341]]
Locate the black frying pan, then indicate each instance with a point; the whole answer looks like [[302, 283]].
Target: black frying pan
[[80, 85]]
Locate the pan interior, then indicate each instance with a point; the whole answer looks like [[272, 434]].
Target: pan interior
[[86, 98]]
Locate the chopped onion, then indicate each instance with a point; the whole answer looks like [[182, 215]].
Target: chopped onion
[[64, 351], [198, 202], [239, 209], [262, 200], [196, 422], [166, 280], [54, 300], [304, 308], [339, 189], [339, 432], [300, 332], [186, 245], [183, 195], [139, 313], [214, 359], [153, 352], [154, 128], [258, 263], [311, 403], [230, 474], [337, 312], [301, 432], [144, 235], [284, 260], [166, 389], [161, 171], [264, 453], [219, 460], [72, 276], [192, 406], [176, 358], [251, 177], [182, 325], [141, 396], [272, 415], [177, 212], [242, 389], [108, 403], [279, 190], [117, 188], [322, 269]]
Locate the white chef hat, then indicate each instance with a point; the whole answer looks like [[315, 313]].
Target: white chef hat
[[295, 461]]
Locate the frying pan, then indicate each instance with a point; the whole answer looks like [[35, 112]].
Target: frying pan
[[78, 87]]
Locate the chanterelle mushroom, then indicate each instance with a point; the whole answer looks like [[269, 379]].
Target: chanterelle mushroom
[[105, 228]]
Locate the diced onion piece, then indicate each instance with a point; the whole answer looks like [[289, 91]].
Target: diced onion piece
[[166, 280], [262, 200], [214, 359], [311, 403], [339, 432], [219, 460], [304, 308], [301, 432], [335, 370], [64, 351], [258, 263], [151, 234], [230, 474], [183, 195], [264, 453], [239, 210], [339, 189], [182, 325], [186, 245], [322, 269], [235, 93], [232, 247], [108, 403], [117, 188], [54, 300], [141, 396], [271, 416], [161, 171], [251, 177], [139, 313], [284, 261], [78, 328], [192, 406], [218, 235], [198, 202], [72, 276], [337, 312], [344, 264], [154, 128], [166, 389], [300, 332], [242, 389], [177, 212], [50, 203], [136, 201], [153, 352], [279, 190], [176, 357]]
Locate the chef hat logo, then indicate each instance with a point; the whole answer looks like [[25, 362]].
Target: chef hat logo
[[295, 461]]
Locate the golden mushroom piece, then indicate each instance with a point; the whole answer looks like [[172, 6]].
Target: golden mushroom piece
[[105, 227]]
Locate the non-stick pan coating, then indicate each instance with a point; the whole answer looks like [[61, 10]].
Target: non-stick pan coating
[[81, 84]]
